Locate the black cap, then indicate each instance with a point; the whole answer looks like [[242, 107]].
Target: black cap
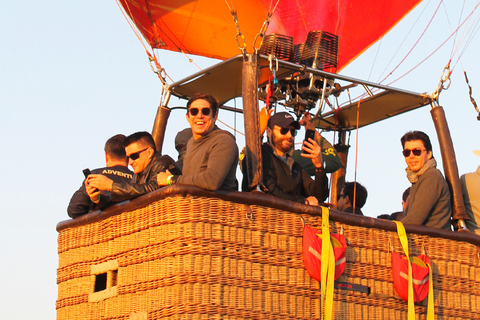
[[283, 119], [182, 138]]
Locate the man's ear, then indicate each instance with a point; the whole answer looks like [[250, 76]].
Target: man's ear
[[429, 155], [348, 201], [269, 133]]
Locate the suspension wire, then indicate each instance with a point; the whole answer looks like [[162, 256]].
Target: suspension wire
[[356, 157], [152, 56], [467, 39], [441, 45], [230, 127], [264, 28], [448, 20], [423, 33], [403, 41]]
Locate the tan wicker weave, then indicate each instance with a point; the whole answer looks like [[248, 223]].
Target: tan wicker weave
[[183, 253]]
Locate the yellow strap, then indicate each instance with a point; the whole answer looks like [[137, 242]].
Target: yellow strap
[[330, 285], [327, 268], [404, 241], [430, 307]]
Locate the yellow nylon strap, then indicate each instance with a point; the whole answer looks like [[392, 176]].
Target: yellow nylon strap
[[404, 241], [430, 307], [327, 268]]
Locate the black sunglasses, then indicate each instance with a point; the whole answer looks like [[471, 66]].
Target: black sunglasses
[[416, 152], [136, 155], [340, 196], [194, 111], [284, 131]]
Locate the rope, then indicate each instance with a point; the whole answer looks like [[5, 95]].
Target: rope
[[356, 157], [441, 45], [418, 40], [403, 41]]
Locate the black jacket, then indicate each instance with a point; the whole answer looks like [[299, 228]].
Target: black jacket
[[294, 184], [145, 181], [81, 204]]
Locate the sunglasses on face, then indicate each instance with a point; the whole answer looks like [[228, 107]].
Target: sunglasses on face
[[194, 111], [136, 155], [416, 152], [340, 196], [284, 131]]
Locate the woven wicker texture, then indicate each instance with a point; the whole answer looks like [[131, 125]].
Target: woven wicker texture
[[192, 257]]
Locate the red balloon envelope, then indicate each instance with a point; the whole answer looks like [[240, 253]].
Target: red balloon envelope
[[206, 27]]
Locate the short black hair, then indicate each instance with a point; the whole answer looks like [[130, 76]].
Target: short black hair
[[417, 135], [361, 198], [406, 193], [144, 138], [209, 98], [115, 147]]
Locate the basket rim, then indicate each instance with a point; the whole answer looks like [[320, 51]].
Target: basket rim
[[260, 199]]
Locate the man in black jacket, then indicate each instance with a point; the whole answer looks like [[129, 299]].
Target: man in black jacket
[[282, 176], [116, 170], [146, 164]]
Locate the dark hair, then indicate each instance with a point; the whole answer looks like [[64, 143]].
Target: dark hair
[[210, 99], [143, 138], [406, 193], [348, 189], [115, 147], [417, 135], [384, 216]]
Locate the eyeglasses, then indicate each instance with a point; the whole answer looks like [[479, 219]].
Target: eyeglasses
[[416, 152], [136, 155], [284, 131], [194, 111], [340, 196]]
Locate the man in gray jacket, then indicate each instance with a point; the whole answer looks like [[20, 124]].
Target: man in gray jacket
[[212, 154], [429, 200]]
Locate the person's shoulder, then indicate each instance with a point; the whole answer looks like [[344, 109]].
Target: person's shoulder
[[434, 172], [223, 134], [163, 159]]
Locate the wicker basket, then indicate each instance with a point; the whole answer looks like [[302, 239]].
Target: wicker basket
[[182, 253]]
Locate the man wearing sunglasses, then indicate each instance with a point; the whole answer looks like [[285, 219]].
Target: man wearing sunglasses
[[116, 170], [146, 164], [282, 176], [211, 158], [429, 200], [351, 191]]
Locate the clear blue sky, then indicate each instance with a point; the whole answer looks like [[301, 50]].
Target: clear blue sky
[[73, 74]]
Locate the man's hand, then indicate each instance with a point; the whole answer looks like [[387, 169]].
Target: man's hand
[[313, 151], [265, 114], [162, 178], [307, 121], [311, 201], [93, 193], [99, 182]]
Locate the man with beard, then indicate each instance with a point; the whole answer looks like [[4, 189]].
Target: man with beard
[[282, 176]]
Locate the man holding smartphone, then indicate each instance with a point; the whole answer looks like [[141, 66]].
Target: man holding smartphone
[[146, 163], [282, 176], [116, 170]]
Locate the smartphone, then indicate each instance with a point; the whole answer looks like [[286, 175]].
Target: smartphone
[[86, 172], [309, 134]]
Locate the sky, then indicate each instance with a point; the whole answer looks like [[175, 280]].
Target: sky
[[73, 74]]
